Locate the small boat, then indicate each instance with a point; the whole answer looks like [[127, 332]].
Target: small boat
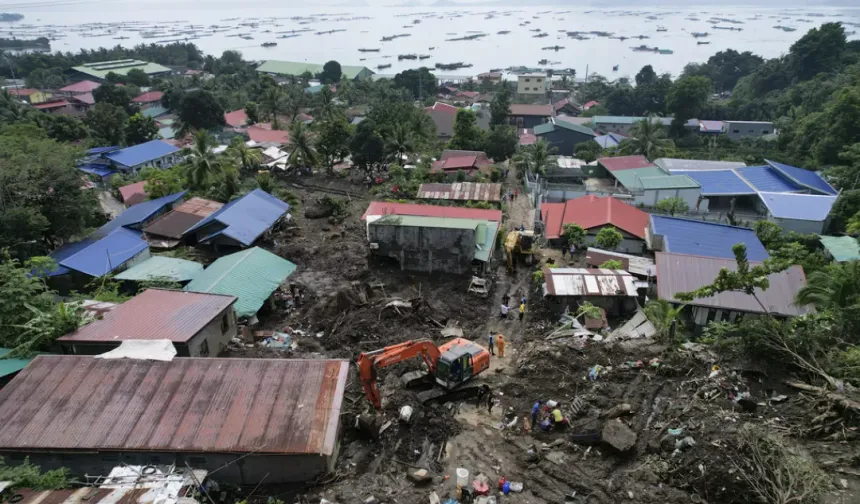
[[246, 37], [383, 67], [406, 57], [431, 48], [269, 44], [540, 35], [665, 51], [543, 62], [615, 68], [503, 32], [662, 29], [423, 56], [703, 42], [367, 50]]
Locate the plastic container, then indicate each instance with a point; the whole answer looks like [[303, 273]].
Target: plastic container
[[506, 489], [516, 487], [462, 477]]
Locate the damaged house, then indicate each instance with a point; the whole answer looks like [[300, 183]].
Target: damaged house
[[614, 291]]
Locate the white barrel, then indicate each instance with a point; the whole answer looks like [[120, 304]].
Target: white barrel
[[462, 477]]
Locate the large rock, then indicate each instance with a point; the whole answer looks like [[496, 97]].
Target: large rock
[[617, 435]]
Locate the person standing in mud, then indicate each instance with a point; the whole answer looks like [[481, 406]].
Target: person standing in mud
[[492, 347], [522, 311]]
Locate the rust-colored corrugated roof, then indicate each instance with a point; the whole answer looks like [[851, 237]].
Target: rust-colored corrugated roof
[[236, 118], [127, 191], [191, 405], [686, 273], [155, 314], [182, 218], [462, 191], [624, 162], [150, 97], [520, 109], [588, 282]]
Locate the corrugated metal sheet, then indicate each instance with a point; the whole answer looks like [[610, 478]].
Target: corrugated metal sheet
[[106, 254], [718, 182], [592, 211], [588, 282], [811, 207], [84, 86], [385, 208], [182, 218], [148, 97], [10, 366], [454, 163], [685, 273], [842, 248], [142, 153], [139, 213], [673, 164], [668, 182], [155, 314], [707, 239], [251, 275], [275, 406], [160, 267], [127, 191], [641, 266], [765, 178], [520, 109], [246, 218], [624, 162], [802, 177], [461, 191]]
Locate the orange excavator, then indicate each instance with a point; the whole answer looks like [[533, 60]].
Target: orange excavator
[[451, 365]]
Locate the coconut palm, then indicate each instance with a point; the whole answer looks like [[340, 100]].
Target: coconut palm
[[835, 287], [247, 158], [294, 102], [662, 314], [648, 138], [399, 142], [303, 153], [271, 102], [203, 163], [325, 105], [535, 158], [422, 127]]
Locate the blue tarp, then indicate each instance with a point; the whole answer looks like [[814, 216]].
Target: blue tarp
[[140, 154], [707, 239], [806, 178], [718, 182], [810, 207], [96, 169], [100, 257], [765, 178], [246, 218], [138, 214], [609, 140]]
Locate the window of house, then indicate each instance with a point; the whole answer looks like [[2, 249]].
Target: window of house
[[204, 348], [528, 80], [736, 131], [225, 323], [765, 132], [752, 131]]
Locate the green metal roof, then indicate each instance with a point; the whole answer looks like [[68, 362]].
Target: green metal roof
[[544, 128], [154, 112], [251, 275], [160, 267], [668, 182], [842, 248], [167, 133], [120, 67], [631, 178], [574, 127], [298, 68], [487, 242], [9, 366]]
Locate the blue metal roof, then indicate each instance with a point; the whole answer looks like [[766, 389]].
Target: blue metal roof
[[64, 252], [802, 177], [138, 213], [246, 218], [96, 169], [765, 178], [609, 140], [105, 255], [101, 150], [718, 182], [142, 153], [810, 207], [707, 239]]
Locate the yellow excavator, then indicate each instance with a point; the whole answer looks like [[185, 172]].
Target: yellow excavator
[[519, 244]]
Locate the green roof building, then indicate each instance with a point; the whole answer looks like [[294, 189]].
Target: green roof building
[[120, 67], [296, 68], [842, 248], [10, 367], [251, 275], [162, 268]]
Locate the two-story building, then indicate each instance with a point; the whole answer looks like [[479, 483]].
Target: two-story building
[[532, 84]]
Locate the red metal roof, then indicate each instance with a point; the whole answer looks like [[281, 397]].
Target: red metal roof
[[81, 403], [384, 208], [151, 96], [685, 273], [81, 87], [261, 134], [462, 191], [155, 314], [442, 107], [519, 109], [21, 91], [86, 98], [127, 191], [624, 162], [237, 118], [51, 104], [592, 211], [527, 138], [454, 163], [589, 104]]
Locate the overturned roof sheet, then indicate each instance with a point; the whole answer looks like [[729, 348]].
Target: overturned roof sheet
[[588, 282], [190, 405], [686, 273], [636, 265], [809, 207], [842, 248], [804, 178]]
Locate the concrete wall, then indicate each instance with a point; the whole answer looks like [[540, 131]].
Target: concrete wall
[[738, 130], [531, 84], [629, 245], [614, 306], [604, 128], [424, 248], [162, 162], [650, 197], [213, 339], [564, 140], [250, 470], [799, 226]]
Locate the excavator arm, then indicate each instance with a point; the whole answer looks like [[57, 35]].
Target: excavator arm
[[369, 362]]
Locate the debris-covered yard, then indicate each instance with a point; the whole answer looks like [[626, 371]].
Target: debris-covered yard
[[648, 422]]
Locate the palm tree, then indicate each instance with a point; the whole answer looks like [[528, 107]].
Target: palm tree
[[203, 163], [271, 102], [648, 138], [247, 158], [295, 102], [303, 153], [399, 141], [326, 106], [422, 127], [535, 158], [11, 109], [662, 314], [835, 287]]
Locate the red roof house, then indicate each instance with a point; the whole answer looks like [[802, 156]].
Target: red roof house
[[381, 208], [80, 87], [470, 162], [132, 194], [263, 133], [592, 213], [624, 163], [236, 119], [592, 103], [150, 97], [21, 91]]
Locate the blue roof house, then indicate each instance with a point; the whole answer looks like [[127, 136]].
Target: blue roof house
[[138, 216], [155, 153], [240, 222], [700, 238], [801, 213], [95, 257]]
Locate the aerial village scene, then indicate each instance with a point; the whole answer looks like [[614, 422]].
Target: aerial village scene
[[230, 279]]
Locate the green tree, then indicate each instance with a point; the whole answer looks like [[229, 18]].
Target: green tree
[[535, 158], [247, 158], [331, 73], [820, 50], [27, 475], [253, 112], [399, 142], [419, 83], [768, 233], [226, 185], [203, 163], [467, 134], [687, 100], [845, 207], [161, 182], [200, 109], [303, 153], [140, 129], [500, 107], [501, 143], [663, 314], [461, 176], [272, 102], [648, 138], [573, 234], [835, 287], [118, 96], [673, 206], [367, 146], [333, 140], [587, 151], [612, 264], [266, 181], [326, 106], [107, 124], [64, 128], [837, 129], [18, 291], [609, 238], [137, 77]]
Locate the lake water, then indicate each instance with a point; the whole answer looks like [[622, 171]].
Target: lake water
[[78, 19]]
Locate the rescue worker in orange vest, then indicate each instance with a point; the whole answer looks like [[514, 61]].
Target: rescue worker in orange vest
[[500, 344]]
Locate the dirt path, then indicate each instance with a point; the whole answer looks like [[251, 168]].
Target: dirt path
[[520, 211]]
